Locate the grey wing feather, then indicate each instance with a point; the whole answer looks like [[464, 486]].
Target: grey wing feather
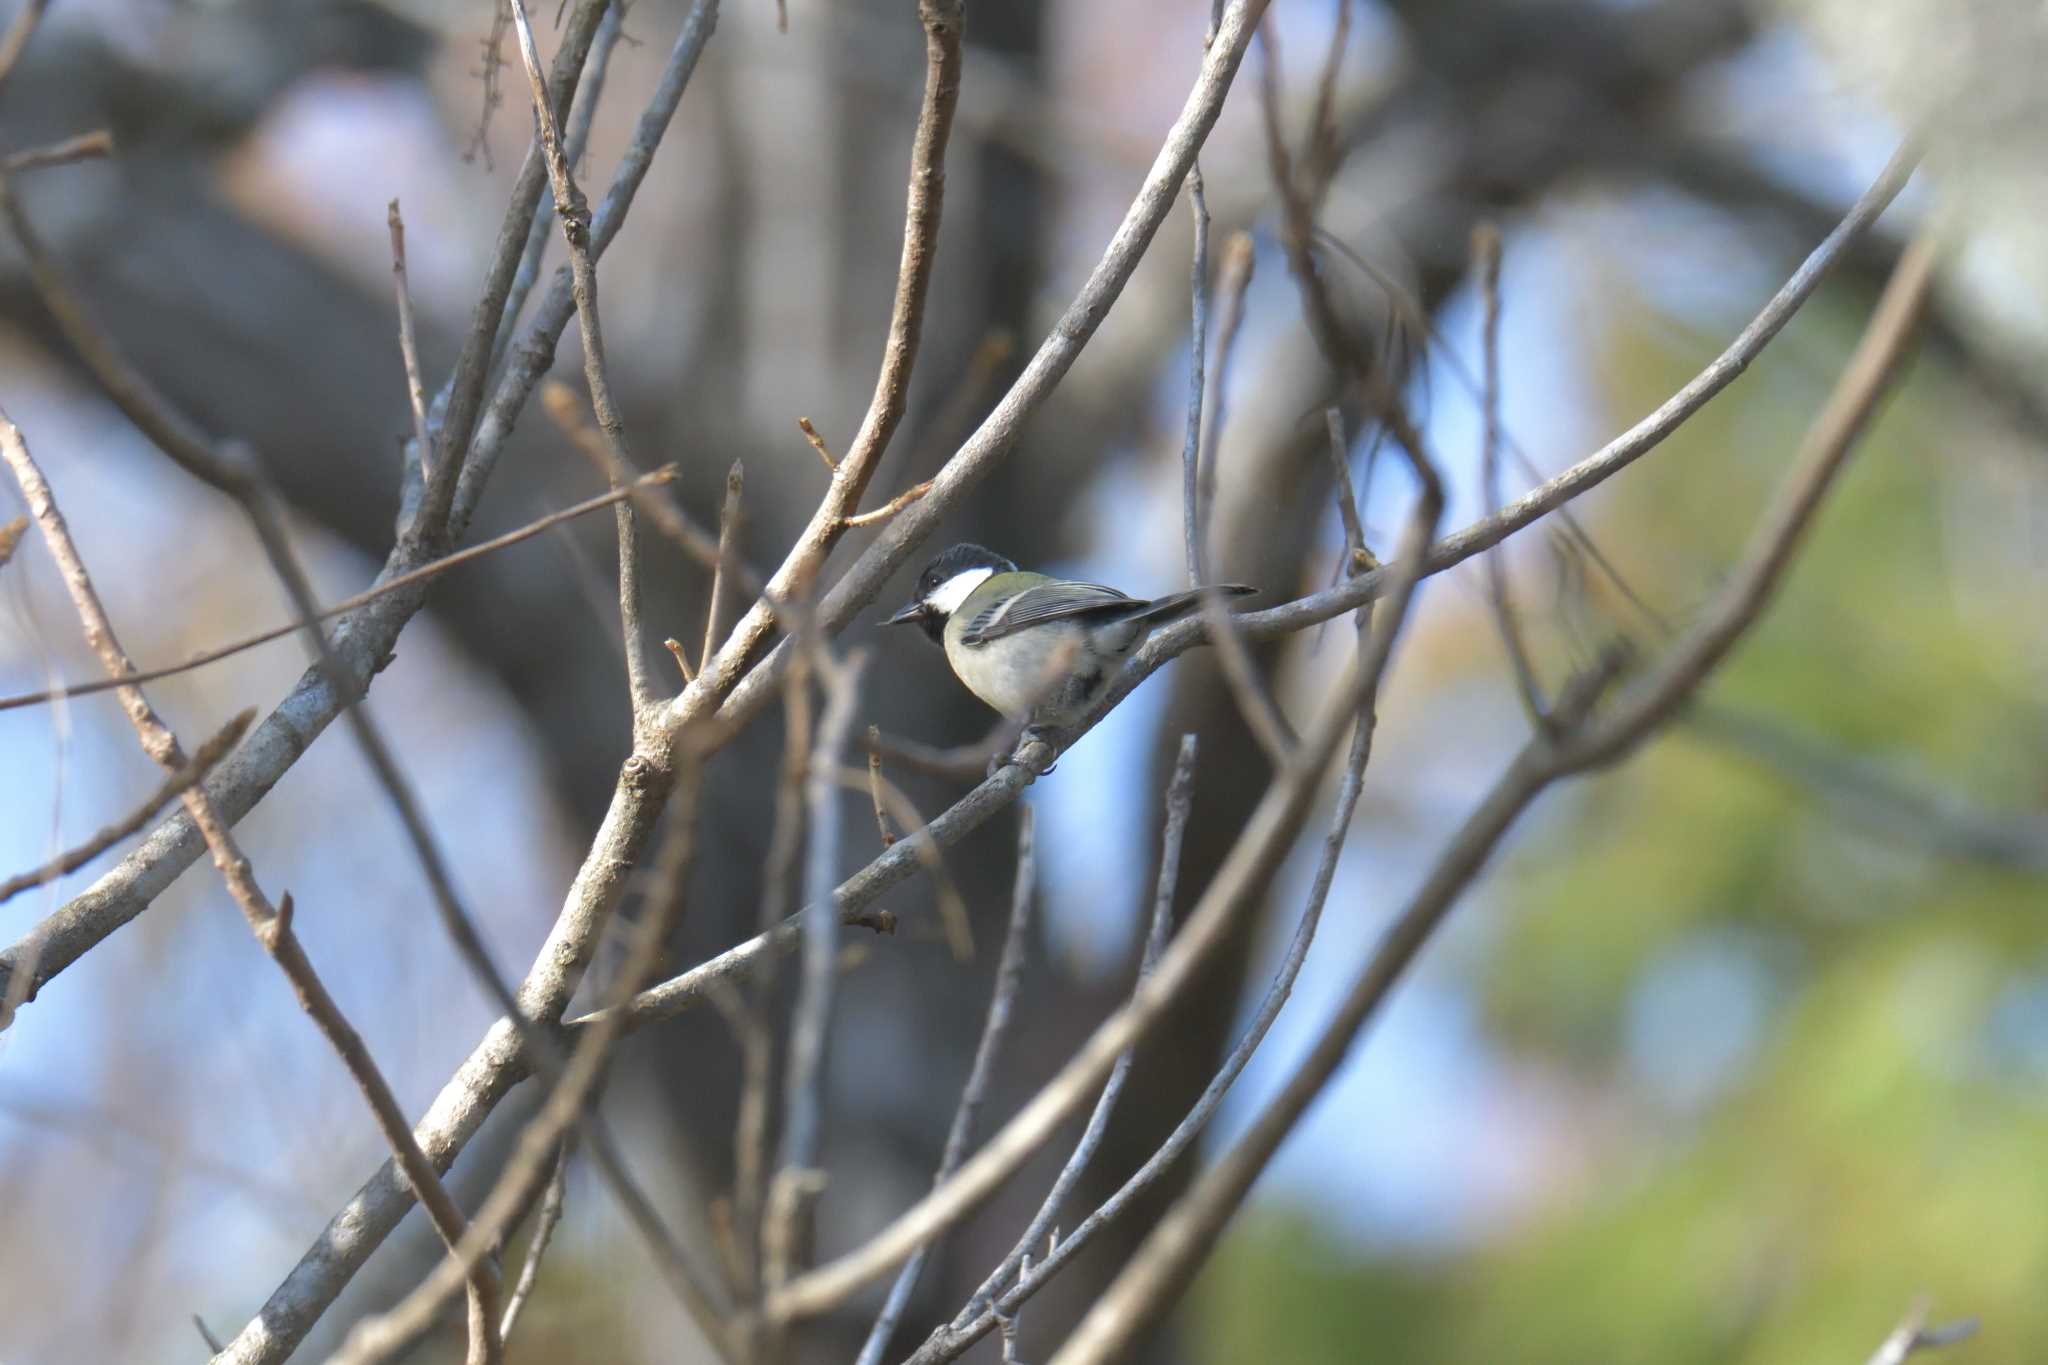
[[1054, 601]]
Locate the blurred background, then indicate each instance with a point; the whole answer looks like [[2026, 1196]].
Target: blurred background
[[1731, 1053]]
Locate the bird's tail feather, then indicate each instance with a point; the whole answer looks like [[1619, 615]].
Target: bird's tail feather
[[1181, 603]]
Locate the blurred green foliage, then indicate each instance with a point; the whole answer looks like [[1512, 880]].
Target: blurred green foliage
[[1875, 1125]]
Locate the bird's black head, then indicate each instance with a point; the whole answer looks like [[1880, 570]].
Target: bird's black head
[[944, 583]]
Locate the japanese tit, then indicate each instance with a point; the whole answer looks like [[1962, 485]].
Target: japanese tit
[[1036, 648]]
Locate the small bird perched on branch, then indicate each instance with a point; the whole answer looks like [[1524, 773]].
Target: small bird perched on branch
[[1036, 648]]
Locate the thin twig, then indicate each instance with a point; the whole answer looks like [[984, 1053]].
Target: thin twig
[[1319, 159], [675, 650], [966, 762], [1180, 797], [399, 583], [1002, 997], [1240, 672], [582, 113], [817, 441], [1486, 264], [572, 211], [729, 513], [90, 146], [757, 1059], [798, 1175], [459, 407], [172, 787], [1198, 340], [1358, 557], [408, 340], [952, 906], [530, 359], [206, 1334], [942, 21], [544, 1224], [1569, 531], [888, 835], [1913, 1334], [891, 507], [1234, 282]]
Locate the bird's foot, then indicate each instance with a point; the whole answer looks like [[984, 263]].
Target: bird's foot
[[1036, 749]]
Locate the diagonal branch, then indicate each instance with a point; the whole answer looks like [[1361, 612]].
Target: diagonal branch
[[272, 925], [347, 604], [192, 773]]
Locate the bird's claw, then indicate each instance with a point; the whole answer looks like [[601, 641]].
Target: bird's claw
[[1020, 754]]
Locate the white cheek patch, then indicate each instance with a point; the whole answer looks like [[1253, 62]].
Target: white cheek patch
[[947, 597]]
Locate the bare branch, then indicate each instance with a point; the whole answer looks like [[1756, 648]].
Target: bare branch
[[952, 906], [90, 146], [675, 650], [1913, 1334], [399, 583], [589, 90], [1486, 264], [1002, 997], [544, 1225], [1198, 340], [892, 507], [1235, 282], [803, 1092], [721, 570], [459, 405], [888, 835], [756, 1034], [193, 772], [408, 340], [817, 441], [1358, 557], [572, 211], [531, 358]]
